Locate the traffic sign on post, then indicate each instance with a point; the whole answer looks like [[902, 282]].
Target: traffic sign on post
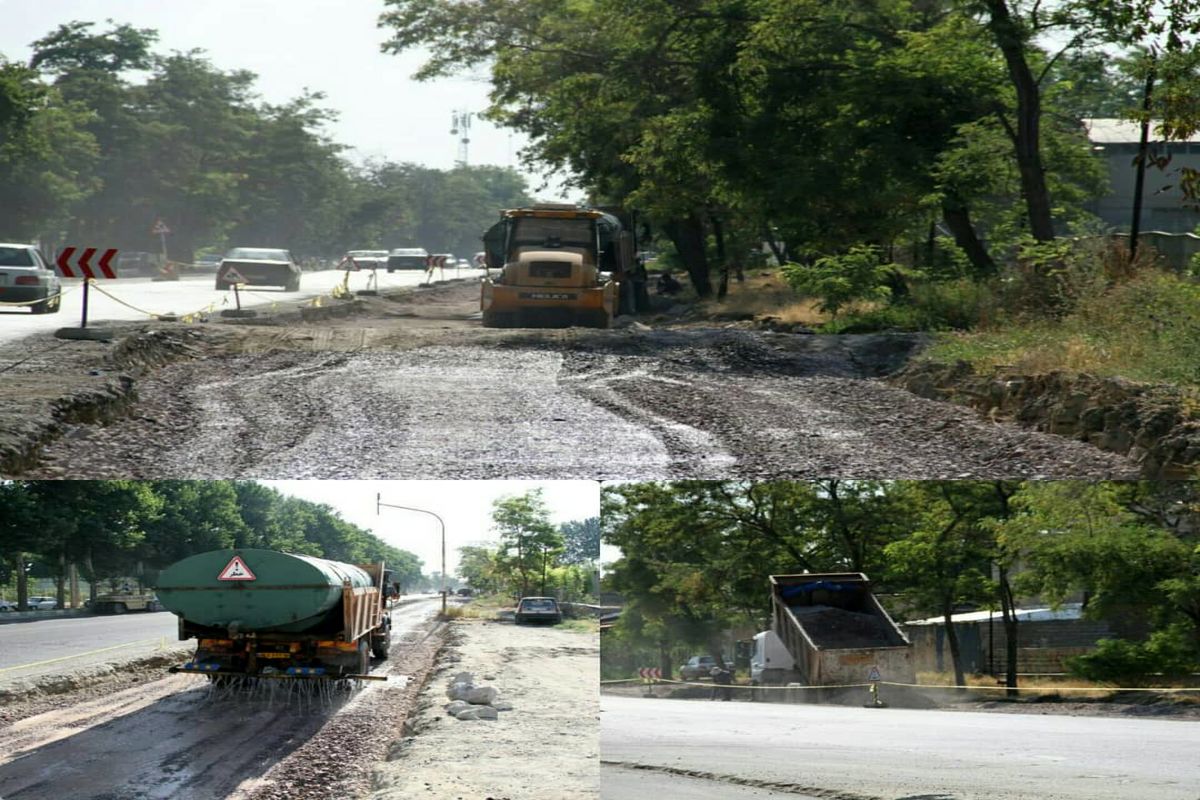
[[160, 228]]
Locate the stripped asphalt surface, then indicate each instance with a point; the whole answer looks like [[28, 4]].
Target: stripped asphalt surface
[[177, 738], [850, 753], [412, 387]]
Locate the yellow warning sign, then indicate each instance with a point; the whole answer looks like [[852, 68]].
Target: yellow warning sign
[[231, 275], [236, 570]]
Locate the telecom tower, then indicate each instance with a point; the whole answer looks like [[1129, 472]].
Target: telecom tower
[[461, 124]]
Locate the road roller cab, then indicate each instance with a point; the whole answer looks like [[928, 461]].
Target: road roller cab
[[559, 265]]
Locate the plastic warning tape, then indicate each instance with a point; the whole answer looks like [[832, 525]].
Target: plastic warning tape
[[738, 685], [46, 299], [186, 317]]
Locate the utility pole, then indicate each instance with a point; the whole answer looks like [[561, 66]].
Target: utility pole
[[380, 504]]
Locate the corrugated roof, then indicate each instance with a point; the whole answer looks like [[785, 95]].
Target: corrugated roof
[[1067, 611], [1120, 131]]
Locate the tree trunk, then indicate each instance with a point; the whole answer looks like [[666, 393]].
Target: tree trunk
[[722, 262], [952, 640], [1026, 136], [688, 236], [22, 581], [958, 219], [1008, 612], [1139, 181], [780, 253]]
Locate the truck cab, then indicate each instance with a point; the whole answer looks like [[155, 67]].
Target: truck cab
[[559, 265]]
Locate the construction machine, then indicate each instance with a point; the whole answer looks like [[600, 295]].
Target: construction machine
[[559, 265]]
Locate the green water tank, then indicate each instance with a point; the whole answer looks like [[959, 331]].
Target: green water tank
[[256, 590]]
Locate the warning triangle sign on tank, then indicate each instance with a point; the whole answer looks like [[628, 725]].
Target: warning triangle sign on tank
[[236, 570]]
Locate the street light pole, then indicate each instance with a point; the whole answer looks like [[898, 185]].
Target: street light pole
[[380, 504]]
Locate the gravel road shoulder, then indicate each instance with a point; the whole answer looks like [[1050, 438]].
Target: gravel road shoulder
[[546, 748]]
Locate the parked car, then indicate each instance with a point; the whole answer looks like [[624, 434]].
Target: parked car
[[26, 276], [40, 603], [7, 605], [466, 591], [697, 667], [538, 609]]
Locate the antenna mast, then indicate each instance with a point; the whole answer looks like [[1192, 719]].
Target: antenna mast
[[460, 125]]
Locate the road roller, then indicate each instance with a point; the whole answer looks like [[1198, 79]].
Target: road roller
[[265, 614]]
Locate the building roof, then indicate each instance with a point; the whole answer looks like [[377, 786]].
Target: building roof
[[1066, 611], [1121, 131]]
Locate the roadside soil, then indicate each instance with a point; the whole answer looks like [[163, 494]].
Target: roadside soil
[[546, 748], [410, 386]]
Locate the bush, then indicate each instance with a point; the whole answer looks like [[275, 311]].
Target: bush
[[1168, 653], [836, 281], [934, 306]]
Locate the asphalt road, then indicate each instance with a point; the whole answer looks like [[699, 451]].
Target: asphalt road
[[191, 294], [72, 642], [856, 753]]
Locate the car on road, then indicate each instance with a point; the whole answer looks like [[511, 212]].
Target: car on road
[[366, 259], [407, 258], [697, 667], [137, 263], [40, 603], [8, 605], [208, 262], [538, 609], [27, 277], [259, 266]]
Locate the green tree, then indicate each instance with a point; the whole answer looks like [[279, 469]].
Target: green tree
[[529, 543]]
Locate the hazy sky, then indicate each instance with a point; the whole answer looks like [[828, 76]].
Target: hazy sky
[[466, 506], [330, 46]]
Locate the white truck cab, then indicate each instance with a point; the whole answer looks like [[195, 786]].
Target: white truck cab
[[771, 664]]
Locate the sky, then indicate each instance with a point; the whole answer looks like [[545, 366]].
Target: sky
[[466, 506], [331, 46]]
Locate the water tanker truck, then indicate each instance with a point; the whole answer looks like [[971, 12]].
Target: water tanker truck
[[260, 613], [828, 629]]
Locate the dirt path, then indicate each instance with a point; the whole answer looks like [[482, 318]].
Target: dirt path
[[545, 748]]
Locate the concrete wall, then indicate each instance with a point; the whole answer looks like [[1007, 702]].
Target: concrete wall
[[1163, 206]]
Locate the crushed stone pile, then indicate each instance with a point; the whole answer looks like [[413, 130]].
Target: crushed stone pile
[[836, 628], [469, 701]]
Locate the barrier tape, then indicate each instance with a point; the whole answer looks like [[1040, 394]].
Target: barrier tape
[[998, 688], [47, 299], [183, 317], [161, 640]]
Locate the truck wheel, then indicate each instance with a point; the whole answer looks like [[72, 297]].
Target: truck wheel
[[364, 656], [381, 645]]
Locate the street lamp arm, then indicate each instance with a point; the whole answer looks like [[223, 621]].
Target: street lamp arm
[[441, 522]]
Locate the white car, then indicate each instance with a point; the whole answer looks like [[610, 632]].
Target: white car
[[26, 277], [7, 605], [40, 603]]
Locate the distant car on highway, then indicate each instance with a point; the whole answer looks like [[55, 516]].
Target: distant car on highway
[[259, 266], [135, 263], [7, 605], [407, 258], [366, 259], [538, 609], [209, 262], [26, 276]]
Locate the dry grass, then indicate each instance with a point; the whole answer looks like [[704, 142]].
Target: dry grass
[[764, 294]]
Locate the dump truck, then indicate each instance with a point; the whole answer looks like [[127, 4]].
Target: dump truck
[[261, 613], [828, 629], [559, 265]]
